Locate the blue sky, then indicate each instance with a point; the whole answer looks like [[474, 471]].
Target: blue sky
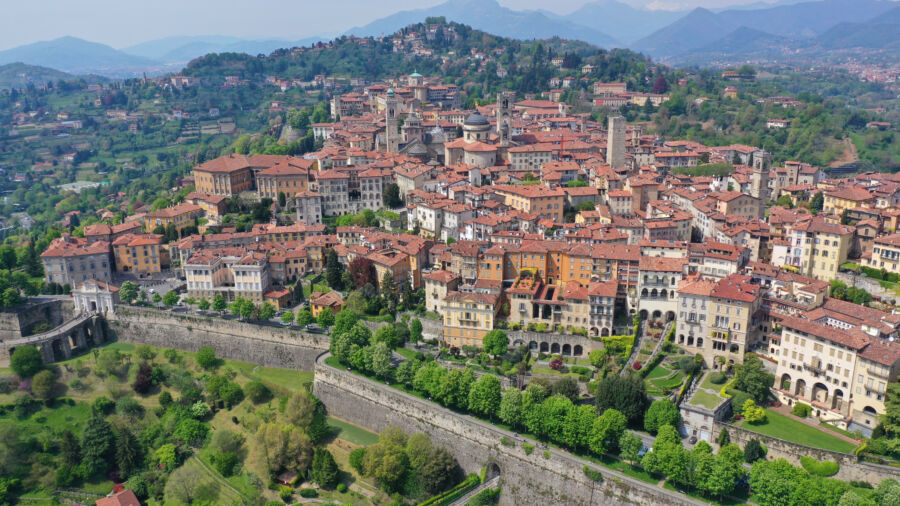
[[122, 23]]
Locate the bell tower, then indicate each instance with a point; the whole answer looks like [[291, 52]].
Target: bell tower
[[503, 116], [390, 122]]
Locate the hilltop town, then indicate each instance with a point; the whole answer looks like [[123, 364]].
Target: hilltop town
[[539, 251]]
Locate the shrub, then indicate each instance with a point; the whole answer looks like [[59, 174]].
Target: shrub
[[342, 488], [206, 358], [356, 459], [637, 366], [546, 454], [505, 441], [824, 469], [528, 448], [308, 493], [753, 451], [593, 474], [556, 364], [285, 493], [754, 413], [717, 378], [578, 369], [801, 410], [257, 392]]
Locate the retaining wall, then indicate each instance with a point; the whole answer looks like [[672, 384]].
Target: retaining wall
[[265, 345], [526, 479], [851, 469]]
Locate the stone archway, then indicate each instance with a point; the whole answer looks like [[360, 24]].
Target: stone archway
[[604, 332], [820, 393], [800, 388], [545, 348], [670, 316], [837, 400], [533, 345], [785, 383], [554, 348], [493, 471], [566, 349], [595, 331], [577, 350], [643, 314], [657, 314]]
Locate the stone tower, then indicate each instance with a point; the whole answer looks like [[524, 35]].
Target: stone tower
[[762, 162], [503, 115], [390, 122], [615, 142]]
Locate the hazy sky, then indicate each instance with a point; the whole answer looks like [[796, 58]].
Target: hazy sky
[[121, 23]]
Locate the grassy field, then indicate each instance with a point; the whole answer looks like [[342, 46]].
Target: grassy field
[[352, 433], [660, 371], [782, 427], [407, 353], [706, 399]]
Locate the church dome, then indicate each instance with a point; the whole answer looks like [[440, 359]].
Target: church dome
[[476, 120]]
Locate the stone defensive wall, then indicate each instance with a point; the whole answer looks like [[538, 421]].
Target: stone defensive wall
[[554, 478], [851, 468], [266, 345]]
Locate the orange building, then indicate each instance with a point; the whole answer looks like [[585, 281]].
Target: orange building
[[226, 175]]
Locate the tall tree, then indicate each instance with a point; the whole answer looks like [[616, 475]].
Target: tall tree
[[484, 397], [389, 290], [626, 394], [129, 453], [391, 196], [495, 342], [751, 377], [661, 412], [362, 270], [325, 471], [511, 408], [333, 270], [607, 431], [97, 446]]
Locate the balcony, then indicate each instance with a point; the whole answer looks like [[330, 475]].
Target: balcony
[[875, 373], [875, 389], [814, 367]]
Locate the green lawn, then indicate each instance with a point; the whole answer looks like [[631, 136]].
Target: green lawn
[[226, 493], [710, 385], [782, 427], [705, 399], [659, 371], [407, 353], [669, 382], [285, 378], [352, 433]]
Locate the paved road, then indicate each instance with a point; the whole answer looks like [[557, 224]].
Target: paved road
[[573, 460]]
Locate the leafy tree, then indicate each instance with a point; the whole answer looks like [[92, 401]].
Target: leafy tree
[[626, 394], [362, 271], [381, 360], [511, 408], [129, 453], [266, 311], [128, 291], [607, 431], [389, 290], [817, 202], [661, 412], [203, 304], [388, 334], [415, 330], [578, 426], [219, 303], [495, 342], [206, 358], [721, 473], [776, 482], [325, 318], [70, 449], [753, 413], [391, 196], [630, 446], [171, 298], [26, 361], [485, 397], [751, 377], [386, 460], [166, 456], [668, 456], [325, 471], [566, 387], [304, 317], [287, 317], [333, 270], [157, 298], [97, 446], [438, 470], [724, 438], [598, 357], [753, 451], [42, 384], [660, 86], [298, 291]]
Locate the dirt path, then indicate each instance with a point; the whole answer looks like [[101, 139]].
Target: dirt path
[[849, 155]]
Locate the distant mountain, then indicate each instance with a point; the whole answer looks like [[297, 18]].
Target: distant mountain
[[19, 75], [742, 41], [490, 16], [699, 28], [795, 21], [881, 32], [77, 56], [184, 49], [622, 21]]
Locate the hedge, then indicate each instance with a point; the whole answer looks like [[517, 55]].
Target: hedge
[[824, 469], [471, 481], [801, 410]]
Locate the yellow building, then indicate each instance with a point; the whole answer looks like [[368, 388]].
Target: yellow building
[[181, 215], [142, 254], [289, 177], [468, 317], [226, 175], [537, 199], [319, 301], [214, 206], [885, 254], [818, 248], [849, 197]]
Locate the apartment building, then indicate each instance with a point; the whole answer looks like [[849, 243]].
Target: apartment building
[[885, 254], [818, 248], [437, 285], [226, 175], [141, 254], [537, 199], [109, 233], [230, 272], [289, 177], [70, 260], [181, 216], [468, 317]]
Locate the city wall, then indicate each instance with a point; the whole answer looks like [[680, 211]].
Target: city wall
[[526, 479], [266, 345]]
